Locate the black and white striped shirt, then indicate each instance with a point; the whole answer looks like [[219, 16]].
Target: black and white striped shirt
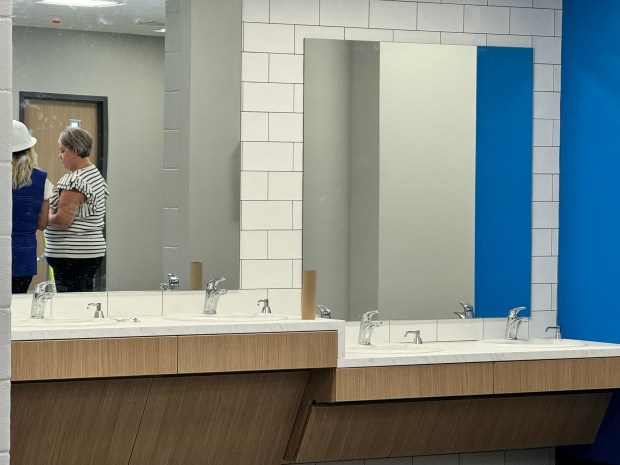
[[84, 236]]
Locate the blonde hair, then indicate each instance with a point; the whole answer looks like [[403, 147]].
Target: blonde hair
[[22, 164]]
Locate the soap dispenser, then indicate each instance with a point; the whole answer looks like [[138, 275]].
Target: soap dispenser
[[97, 307], [265, 308]]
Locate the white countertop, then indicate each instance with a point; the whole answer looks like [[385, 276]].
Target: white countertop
[[477, 351], [431, 352], [158, 326]]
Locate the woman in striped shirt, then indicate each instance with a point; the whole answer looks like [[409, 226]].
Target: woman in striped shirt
[[75, 245]]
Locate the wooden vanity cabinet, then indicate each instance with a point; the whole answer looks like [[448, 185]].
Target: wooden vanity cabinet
[[265, 398], [216, 399]]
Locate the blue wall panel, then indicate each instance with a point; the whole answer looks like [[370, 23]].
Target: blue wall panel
[[589, 241], [589, 250], [503, 179]]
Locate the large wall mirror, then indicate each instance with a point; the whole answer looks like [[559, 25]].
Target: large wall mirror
[[119, 52], [417, 177]]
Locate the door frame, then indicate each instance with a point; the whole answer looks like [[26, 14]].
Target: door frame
[[102, 118], [101, 103]]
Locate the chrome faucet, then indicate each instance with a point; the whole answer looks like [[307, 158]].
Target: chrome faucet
[[323, 311], [468, 311], [43, 292], [173, 283], [513, 323], [213, 295], [367, 325]]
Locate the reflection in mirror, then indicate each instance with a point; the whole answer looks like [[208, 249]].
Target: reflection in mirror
[[128, 70], [417, 177], [119, 53]]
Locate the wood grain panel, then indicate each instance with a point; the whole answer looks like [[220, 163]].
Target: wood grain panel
[[448, 426], [93, 358], [76, 422], [219, 419], [257, 352], [320, 386], [412, 381], [557, 375]]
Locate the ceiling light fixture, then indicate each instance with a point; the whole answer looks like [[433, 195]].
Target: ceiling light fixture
[[82, 3], [160, 30]]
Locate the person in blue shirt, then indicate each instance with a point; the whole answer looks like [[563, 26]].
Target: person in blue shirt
[[31, 191]]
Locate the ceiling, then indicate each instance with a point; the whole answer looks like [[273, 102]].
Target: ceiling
[[131, 17]]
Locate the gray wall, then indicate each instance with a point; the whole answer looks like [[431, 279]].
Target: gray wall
[[363, 214], [129, 70], [202, 134], [327, 118]]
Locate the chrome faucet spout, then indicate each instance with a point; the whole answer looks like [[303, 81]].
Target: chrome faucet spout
[[367, 326], [514, 322], [43, 292], [212, 296]]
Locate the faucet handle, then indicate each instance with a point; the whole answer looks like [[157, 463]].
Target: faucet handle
[[370, 316], [467, 307], [43, 287], [513, 312], [173, 283], [468, 311], [212, 285], [416, 336], [558, 334]]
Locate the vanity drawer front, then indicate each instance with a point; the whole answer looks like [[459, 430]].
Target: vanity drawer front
[[257, 351], [557, 375], [403, 382], [93, 358], [352, 431]]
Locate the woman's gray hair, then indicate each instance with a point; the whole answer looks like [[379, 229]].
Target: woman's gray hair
[[78, 139]]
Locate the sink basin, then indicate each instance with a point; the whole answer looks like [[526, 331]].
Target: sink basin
[[393, 348], [61, 322], [232, 317], [535, 343]]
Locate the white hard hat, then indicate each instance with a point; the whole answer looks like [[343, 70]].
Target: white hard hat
[[22, 139]]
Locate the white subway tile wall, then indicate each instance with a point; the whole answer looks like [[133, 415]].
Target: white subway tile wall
[[377, 35], [487, 19], [544, 77], [5, 226], [254, 185], [459, 38], [272, 139], [440, 17], [393, 15]]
